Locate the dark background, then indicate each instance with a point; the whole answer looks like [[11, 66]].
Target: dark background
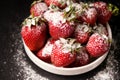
[[15, 64]]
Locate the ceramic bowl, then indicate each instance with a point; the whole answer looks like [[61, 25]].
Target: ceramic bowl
[[67, 71]]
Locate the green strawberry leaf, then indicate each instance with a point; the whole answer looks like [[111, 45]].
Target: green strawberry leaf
[[114, 9]]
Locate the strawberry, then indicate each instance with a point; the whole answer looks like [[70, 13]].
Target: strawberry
[[89, 16], [97, 45], [82, 58], [59, 3], [82, 33], [104, 14], [63, 52], [34, 33], [45, 53], [59, 27], [101, 29], [38, 8], [99, 5], [78, 10], [63, 30]]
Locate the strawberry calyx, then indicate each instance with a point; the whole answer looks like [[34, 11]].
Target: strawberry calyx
[[114, 9], [32, 21], [69, 45], [68, 11], [73, 10], [84, 27]]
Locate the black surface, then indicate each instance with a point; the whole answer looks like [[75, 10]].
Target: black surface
[[15, 64]]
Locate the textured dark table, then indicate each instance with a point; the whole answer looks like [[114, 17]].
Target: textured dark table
[[15, 64]]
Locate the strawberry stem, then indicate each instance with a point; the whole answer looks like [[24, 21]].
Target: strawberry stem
[[68, 11], [70, 45]]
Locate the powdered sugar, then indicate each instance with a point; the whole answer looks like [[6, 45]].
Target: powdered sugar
[[42, 7], [22, 64], [103, 75], [91, 12], [97, 45], [48, 15], [25, 69], [68, 44], [100, 29], [58, 18], [54, 17], [47, 49], [82, 27]]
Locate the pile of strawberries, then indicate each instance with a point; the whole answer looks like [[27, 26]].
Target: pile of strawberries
[[67, 33]]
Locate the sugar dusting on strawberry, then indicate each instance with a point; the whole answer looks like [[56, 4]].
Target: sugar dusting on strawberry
[[97, 45], [47, 49], [55, 17], [34, 35], [63, 55], [45, 53], [104, 14], [82, 33], [59, 27], [82, 58], [63, 30], [38, 8], [59, 3], [90, 16]]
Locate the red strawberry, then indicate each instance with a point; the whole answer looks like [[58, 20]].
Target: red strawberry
[[82, 58], [45, 53], [82, 33], [59, 27], [99, 5], [90, 16], [104, 14], [63, 52], [38, 8], [97, 45], [34, 33], [58, 3], [63, 30]]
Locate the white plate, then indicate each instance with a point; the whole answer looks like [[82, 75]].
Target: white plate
[[67, 71]]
